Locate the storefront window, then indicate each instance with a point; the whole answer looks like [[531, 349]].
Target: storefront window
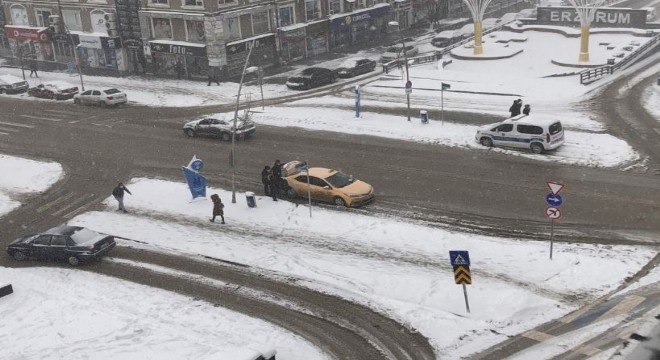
[[161, 28], [312, 10], [286, 16], [233, 28], [222, 2], [260, 23], [195, 31], [199, 3], [19, 15], [335, 6], [72, 20], [159, 2], [42, 16]]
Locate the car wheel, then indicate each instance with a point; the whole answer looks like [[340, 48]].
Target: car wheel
[[73, 261], [189, 132], [339, 201], [2, 91], [225, 136], [19, 255], [103, 104], [486, 141], [291, 194], [76, 101], [536, 148]]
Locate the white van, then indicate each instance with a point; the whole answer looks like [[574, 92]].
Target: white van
[[524, 132]]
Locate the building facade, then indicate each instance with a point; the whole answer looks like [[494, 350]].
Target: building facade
[[194, 38]]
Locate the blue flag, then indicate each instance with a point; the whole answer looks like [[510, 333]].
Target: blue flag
[[196, 182]]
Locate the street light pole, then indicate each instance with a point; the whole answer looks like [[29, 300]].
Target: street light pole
[[405, 58], [233, 132], [73, 45]]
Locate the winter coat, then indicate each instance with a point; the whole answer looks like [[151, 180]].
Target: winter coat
[[265, 176], [217, 208], [118, 191]]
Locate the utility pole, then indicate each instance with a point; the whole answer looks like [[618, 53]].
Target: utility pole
[[73, 45]]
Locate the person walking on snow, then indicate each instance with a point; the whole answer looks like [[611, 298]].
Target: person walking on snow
[[218, 207], [265, 179], [33, 68], [118, 193], [527, 109]]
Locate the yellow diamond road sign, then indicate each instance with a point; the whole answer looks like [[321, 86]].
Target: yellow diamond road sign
[[462, 275]]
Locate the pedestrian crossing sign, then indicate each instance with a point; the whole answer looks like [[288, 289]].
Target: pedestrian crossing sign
[[459, 258]]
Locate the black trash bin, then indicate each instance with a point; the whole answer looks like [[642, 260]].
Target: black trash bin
[[251, 200]]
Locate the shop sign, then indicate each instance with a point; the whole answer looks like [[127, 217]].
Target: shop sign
[[90, 42], [61, 38], [359, 17], [297, 34], [245, 45], [179, 49], [111, 43], [605, 17], [133, 43], [26, 33]]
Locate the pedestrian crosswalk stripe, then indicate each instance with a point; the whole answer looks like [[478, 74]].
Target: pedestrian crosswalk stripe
[[537, 335], [623, 307], [17, 125], [81, 200], [58, 200], [40, 118]]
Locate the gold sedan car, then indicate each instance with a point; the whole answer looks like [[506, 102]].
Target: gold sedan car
[[326, 185]]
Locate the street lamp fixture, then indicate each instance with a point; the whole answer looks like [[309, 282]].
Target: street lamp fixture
[[232, 158], [405, 58]]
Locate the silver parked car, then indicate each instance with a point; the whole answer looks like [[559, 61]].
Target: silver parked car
[[219, 128], [103, 98], [11, 84]]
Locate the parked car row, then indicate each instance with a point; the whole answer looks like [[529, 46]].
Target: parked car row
[[312, 77], [54, 91]]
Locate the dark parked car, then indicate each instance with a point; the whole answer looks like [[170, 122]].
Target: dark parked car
[[447, 38], [219, 128], [73, 244], [311, 77], [352, 67], [11, 84], [57, 91]]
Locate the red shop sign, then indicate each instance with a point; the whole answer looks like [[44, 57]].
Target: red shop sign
[[26, 33]]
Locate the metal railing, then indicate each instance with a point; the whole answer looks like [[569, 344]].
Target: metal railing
[[590, 75]]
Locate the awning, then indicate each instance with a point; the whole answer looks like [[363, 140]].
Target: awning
[[26, 33]]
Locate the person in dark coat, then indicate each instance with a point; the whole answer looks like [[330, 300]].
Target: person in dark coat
[[265, 179], [118, 193], [33, 68], [178, 68], [526, 109], [515, 107], [276, 171], [213, 77], [218, 208]]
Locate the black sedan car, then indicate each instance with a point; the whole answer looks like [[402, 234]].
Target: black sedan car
[[311, 77], [73, 244], [352, 67]]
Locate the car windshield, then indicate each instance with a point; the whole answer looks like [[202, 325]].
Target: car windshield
[[339, 180], [308, 72], [111, 91], [394, 49], [83, 235]]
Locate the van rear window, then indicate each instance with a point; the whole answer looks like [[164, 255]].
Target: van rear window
[[555, 128]]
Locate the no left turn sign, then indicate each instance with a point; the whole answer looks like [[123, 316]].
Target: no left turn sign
[[553, 213]]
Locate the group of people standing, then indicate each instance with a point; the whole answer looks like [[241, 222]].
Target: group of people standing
[[517, 106], [271, 177]]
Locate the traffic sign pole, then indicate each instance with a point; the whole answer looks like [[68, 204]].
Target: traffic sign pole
[[552, 233], [467, 303]]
